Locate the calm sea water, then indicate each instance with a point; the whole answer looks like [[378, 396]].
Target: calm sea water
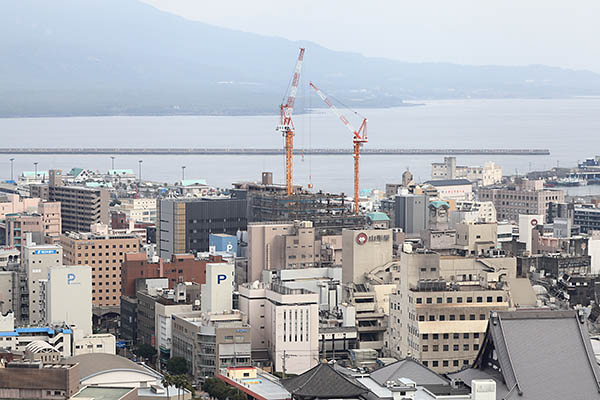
[[569, 128]]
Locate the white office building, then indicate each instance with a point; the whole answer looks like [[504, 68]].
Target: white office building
[[217, 292]]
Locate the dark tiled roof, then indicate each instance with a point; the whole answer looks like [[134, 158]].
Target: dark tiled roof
[[323, 382], [448, 182], [541, 355], [408, 368]]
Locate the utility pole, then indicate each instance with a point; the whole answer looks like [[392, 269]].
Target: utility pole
[[11, 168], [182, 173], [112, 162], [284, 357]]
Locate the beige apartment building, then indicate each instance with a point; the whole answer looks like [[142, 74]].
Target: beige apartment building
[[104, 254], [527, 198], [140, 210], [489, 174]]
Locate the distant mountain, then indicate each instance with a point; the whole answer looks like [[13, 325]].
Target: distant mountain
[[114, 57]]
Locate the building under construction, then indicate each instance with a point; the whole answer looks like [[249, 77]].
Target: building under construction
[[329, 213]]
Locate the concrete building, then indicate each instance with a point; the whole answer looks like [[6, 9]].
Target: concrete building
[[140, 209], [527, 198], [410, 213], [285, 323], [68, 297], [439, 237], [80, 206], [489, 174], [185, 224], [217, 292], [364, 251], [472, 212], [223, 242], [22, 215], [453, 189], [104, 254], [587, 217], [37, 259], [476, 239], [36, 380], [527, 223], [281, 245], [164, 309], [209, 342], [181, 268]]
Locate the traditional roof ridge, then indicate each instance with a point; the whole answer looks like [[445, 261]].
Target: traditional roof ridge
[[323, 381]]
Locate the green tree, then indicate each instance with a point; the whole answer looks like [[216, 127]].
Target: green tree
[[182, 382], [167, 380], [177, 366], [145, 351]]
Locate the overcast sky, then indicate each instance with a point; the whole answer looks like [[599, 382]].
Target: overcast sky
[[511, 32]]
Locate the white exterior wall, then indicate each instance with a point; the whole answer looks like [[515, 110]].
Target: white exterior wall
[[594, 251], [69, 297], [36, 261], [101, 343], [360, 256], [526, 225], [162, 322], [217, 292]]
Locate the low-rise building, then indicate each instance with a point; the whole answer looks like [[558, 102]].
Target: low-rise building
[[489, 174], [209, 342], [37, 380]]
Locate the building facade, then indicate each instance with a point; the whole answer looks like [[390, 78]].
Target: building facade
[[489, 174], [104, 254]]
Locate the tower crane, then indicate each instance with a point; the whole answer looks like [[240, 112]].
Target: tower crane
[[359, 137], [286, 126]]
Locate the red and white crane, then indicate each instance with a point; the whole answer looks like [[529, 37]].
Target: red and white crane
[[359, 137], [286, 126]]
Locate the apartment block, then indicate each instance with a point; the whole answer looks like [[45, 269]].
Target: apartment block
[[284, 322], [104, 254], [472, 212], [139, 210], [80, 206], [527, 197], [184, 225]]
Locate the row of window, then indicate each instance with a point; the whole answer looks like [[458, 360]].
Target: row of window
[[445, 363], [446, 336], [451, 317], [446, 347], [449, 300], [114, 246]]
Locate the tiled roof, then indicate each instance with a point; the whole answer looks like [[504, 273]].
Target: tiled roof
[[408, 368], [324, 382], [541, 355]]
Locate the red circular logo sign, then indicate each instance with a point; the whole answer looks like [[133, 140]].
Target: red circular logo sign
[[361, 238], [534, 222]]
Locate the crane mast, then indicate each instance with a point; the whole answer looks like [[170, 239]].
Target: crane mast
[[286, 126], [359, 137]]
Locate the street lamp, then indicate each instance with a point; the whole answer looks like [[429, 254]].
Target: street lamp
[[112, 162], [35, 164], [182, 173], [140, 169], [11, 168]]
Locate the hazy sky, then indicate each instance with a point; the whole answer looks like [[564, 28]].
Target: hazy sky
[[511, 32]]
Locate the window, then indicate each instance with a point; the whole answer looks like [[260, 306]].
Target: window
[[445, 363], [419, 300], [455, 347], [446, 336], [479, 299], [448, 300], [455, 336], [452, 317], [425, 348], [436, 336], [476, 346], [445, 347], [455, 363], [462, 317], [466, 362], [466, 347], [482, 316], [439, 300], [426, 363], [425, 336], [489, 299], [472, 317], [435, 363], [459, 299], [421, 318], [432, 317], [466, 336], [469, 299], [499, 299], [476, 335], [442, 317], [429, 300]]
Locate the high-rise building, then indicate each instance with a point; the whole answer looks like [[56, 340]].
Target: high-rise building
[[363, 251], [104, 254], [80, 206], [410, 212], [184, 225], [37, 259]]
